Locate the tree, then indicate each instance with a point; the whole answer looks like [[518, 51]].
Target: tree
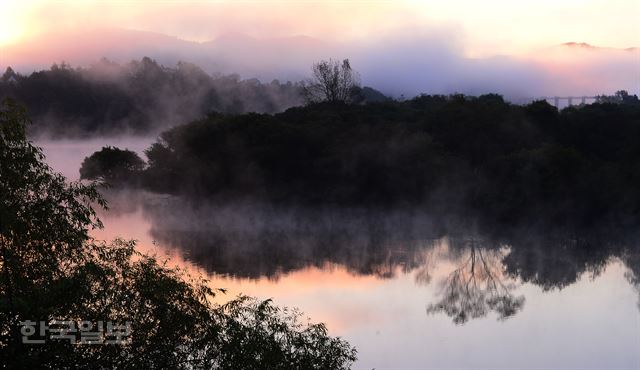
[[109, 98], [332, 81], [52, 270], [9, 76], [112, 165], [43, 230], [620, 97]]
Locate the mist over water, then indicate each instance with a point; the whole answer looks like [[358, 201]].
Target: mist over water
[[66, 155], [407, 288], [383, 278], [424, 205]]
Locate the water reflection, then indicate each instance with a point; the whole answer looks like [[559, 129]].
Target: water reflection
[[252, 241], [632, 261], [478, 286], [382, 270], [478, 273]]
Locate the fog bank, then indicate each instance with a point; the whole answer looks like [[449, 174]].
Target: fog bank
[[406, 64]]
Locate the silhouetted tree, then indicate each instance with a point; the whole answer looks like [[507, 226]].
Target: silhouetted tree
[[9, 76], [112, 165], [53, 270], [331, 81], [620, 97], [109, 98]]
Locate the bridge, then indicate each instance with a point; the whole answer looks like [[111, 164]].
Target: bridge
[[558, 101]]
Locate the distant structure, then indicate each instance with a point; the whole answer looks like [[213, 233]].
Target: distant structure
[[558, 101], [561, 102]]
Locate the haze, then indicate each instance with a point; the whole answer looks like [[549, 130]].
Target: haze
[[400, 48]]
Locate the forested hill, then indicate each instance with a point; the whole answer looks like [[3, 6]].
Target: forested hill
[[138, 97]]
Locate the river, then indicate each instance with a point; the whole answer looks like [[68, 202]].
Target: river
[[392, 283]]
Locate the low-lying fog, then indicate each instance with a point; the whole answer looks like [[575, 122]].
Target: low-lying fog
[[66, 155], [392, 282]]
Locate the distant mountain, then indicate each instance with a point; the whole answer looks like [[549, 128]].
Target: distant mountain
[[583, 45], [587, 46], [580, 68]]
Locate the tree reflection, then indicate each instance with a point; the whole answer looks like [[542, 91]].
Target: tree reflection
[[559, 261], [253, 241], [632, 261], [260, 241], [477, 287]]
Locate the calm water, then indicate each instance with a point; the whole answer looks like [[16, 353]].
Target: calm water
[[406, 293]]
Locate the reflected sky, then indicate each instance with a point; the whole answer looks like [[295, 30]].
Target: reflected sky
[[383, 279]]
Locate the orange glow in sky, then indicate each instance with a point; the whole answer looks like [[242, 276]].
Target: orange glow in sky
[[484, 27]]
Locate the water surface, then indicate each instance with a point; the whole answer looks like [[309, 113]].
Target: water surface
[[408, 289]]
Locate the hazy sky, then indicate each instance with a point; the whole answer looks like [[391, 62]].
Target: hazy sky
[[400, 47], [482, 28]]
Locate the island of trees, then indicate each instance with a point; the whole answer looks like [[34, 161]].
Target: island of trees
[[478, 156]]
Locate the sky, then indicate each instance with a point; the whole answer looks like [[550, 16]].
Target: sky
[[400, 47], [484, 28]]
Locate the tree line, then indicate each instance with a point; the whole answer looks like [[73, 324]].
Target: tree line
[[137, 97], [479, 155], [143, 97]]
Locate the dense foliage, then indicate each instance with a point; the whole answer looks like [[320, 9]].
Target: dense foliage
[[475, 155], [137, 97], [52, 270], [144, 97], [111, 165]]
